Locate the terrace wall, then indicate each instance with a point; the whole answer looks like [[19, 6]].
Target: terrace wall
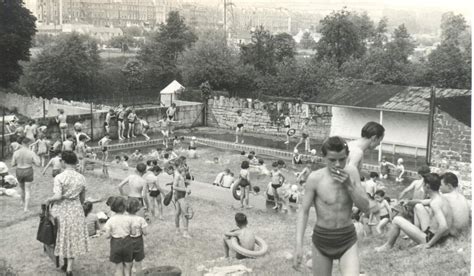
[[451, 149], [32, 107], [222, 113], [189, 115]]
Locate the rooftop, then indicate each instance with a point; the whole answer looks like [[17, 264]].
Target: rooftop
[[365, 94]]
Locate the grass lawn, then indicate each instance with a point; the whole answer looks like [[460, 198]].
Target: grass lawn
[[24, 254]]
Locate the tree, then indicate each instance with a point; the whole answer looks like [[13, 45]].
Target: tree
[[260, 53], [402, 45], [365, 26], [162, 49], [452, 27], [285, 46], [66, 69], [380, 38], [209, 59], [448, 68], [307, 41], [123, 42], [17, 28], [340, 38], [449, 65], [133, 72]]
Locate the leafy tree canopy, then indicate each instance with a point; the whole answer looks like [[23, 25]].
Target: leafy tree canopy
[[341, 38], [17, 28], [66, 69]]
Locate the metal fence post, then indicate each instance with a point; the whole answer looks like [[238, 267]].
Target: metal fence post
[[3, 133], [92, 124]]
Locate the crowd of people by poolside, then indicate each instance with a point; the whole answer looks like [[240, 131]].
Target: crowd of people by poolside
[[348, 206]]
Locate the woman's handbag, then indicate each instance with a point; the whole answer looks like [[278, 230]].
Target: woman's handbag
[[47, 228]]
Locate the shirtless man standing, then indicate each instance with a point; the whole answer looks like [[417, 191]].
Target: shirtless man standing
[[371, 136], [179, 193], [457, 202], [136, 184], [438, 225], [332, 190], [24, 159]]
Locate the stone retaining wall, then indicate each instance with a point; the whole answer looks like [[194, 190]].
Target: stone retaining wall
[[32, 107], [222, 112], [451, 149]]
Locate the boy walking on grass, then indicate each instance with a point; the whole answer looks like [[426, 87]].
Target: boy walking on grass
[[245, 236]]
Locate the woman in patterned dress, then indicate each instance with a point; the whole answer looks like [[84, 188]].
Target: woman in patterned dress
[[69, 194]]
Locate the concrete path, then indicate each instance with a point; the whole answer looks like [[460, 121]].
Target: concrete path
[[201, 190]]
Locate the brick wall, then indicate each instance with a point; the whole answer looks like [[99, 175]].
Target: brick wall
[[222, 112], [451, 148]]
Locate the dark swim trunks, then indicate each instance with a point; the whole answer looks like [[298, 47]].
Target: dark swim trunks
[[333, 243], [24, 175], [305, 135], [276, 186], [385, 216], [240, 126]]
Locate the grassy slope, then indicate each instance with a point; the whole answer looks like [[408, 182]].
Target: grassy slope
[[164, 248]]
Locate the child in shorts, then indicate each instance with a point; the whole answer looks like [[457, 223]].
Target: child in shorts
[[244, 183], [41, 149], [277, 180], [385, 211], [145, 127], [118, 228], [132, 116], [139, 228], [103, 144], [55, 162]]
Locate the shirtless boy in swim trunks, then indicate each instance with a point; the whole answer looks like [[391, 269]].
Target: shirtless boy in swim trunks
[[239, 130], [434, 225], [304, 135], [136, 184], [332, 191], [24, 159], [245, 236]]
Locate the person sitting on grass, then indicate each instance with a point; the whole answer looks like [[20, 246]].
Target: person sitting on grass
[[55, 162], [435, 225], [244, 235], [118, 229], [220, 177], [384, 211], [92, 220], [138, 229], [277, 180], [458, 203], [227, 180], [417, 185]]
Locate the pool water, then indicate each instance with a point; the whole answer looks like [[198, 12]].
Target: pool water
[[204, 169]]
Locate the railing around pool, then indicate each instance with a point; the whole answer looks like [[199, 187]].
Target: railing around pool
[[234, 146]]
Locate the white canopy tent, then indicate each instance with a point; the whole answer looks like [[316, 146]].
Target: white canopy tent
[[170, 92]]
